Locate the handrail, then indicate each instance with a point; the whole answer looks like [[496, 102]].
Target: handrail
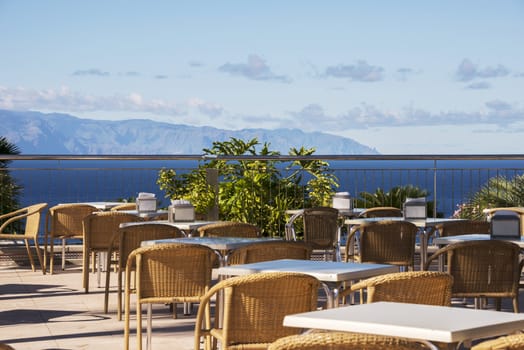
[[262, 157]]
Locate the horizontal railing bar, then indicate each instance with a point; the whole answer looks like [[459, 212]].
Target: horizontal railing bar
[[264, 157]]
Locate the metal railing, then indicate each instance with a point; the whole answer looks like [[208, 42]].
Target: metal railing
[[449, 179]]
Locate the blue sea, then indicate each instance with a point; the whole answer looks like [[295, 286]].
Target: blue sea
[[109, 180]]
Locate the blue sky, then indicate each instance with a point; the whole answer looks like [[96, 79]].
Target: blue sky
[[405, 77]]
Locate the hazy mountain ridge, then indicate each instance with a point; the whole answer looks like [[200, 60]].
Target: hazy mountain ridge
[[55, 133]]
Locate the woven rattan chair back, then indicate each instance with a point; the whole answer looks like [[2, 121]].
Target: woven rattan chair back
[[378, 212], [345, 341], [24, 224], [128, 239], [98, 230], [229, 229], [519, 210], [508, 342], [124, 206], [462, 227], [321, 227], [64, 221], [271, 250], [166, 273], [416, 287], [254, 308], [386, 242], [488, 269]]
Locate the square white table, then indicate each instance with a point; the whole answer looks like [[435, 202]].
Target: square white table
[[414, 321], [325, 271], [442, 241], [187, 226], [221, 245]]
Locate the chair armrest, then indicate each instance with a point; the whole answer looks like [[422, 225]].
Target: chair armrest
[[13, 216], [290, 227]]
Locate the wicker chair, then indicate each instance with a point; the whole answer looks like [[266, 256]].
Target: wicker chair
[[124, 206], [4, 346], [416, 287], [462, 227], [378, 212], [271, 250], [127, 239], [385, 242], [166, 273], [27, 222], [483, 269], [64, 221], [519, 210], [98, 230], [508, 342], [254, 308], [229, 229], [346, 341], [321, 230]]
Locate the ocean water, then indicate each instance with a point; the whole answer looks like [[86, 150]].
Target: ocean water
[[450, 182]]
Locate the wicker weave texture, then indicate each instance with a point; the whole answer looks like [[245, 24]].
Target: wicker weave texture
[[255, 305], [98, 230], [509, 342], [344, 341], [483, 269], [30, 218], [128, 239], [321, 227], [416, 287], [266, 251], [64, 221], [378, 212], [462, 227], [229, 229], [386, 242], [167, 273]]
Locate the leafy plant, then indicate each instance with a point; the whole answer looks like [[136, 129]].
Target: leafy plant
[[499, 191], [394, 198], [9, 189], [254, 191]]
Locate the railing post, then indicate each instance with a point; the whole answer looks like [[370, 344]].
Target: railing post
[[212, 180], [434, 188]]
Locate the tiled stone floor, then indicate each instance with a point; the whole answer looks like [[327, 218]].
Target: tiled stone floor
[[52, 312]]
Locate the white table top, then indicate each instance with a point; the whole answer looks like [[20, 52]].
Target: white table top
[[421, 322], [217, 243], [326, 271], [471, 237], [343, 212], [183, 225], [145, 214]]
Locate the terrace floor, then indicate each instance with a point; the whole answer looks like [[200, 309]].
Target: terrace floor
[[52, 312]]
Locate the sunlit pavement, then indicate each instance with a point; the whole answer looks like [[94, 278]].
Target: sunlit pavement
[[52, 312]]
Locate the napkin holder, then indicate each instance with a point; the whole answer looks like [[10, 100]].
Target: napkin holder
[[181, 212], [342, 201], [146, 205], [415, 208], [505, 224]]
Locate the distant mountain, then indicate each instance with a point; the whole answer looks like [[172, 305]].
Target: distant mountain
[[39, 133]]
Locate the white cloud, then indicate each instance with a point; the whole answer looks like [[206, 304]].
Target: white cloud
[[255, 69], [468, 71], [361, 71]]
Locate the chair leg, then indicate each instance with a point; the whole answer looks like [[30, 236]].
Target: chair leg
[[85, 269], [45, 254], [63, 253], [26, 241], [51, 256], [149, 325], [138, 325], [106, 289], [39, 256]]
